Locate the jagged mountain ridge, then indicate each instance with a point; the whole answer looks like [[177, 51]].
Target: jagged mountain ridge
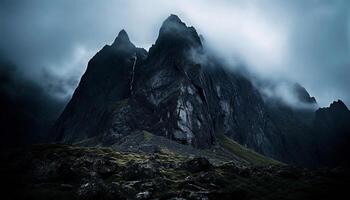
[[166, 92], [333, 128]]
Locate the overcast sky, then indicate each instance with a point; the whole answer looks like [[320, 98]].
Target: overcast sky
[[307, 41]]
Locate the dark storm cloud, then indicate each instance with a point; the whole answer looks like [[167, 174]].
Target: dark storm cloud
[[27, 111], [320, 49], [46, 38], [299, 41], [303, 41]]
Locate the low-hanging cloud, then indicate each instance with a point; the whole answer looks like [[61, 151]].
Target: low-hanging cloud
[[301, 41]]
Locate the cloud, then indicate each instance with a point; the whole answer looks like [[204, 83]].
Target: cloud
[[27, 110], [288, 93], [62, 78], [302, 41]]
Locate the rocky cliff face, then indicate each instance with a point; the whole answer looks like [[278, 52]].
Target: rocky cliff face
[[169, 93], [332, 130], [106, 81]]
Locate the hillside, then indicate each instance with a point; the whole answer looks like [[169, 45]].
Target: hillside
[[71, 172]]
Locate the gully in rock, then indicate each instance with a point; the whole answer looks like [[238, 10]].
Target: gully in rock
[[134, 59]]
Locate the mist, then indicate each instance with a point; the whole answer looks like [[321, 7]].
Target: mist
[[51, 42]]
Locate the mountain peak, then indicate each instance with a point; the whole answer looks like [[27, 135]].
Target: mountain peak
[[123, 34], [303, 95], [339, 104], [174, 35], [173, 18], [172, 24], [122, 39], [337, 108]]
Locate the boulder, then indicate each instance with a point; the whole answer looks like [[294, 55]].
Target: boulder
[[197, 165]]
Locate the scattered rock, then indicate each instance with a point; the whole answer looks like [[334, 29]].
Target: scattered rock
[[90, 190], [143, 195], [140, 171], [104, 167], [200, 195], [131, 175], [197, 164]]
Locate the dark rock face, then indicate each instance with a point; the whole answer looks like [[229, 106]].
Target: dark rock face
[[303, 95], [106, 80], [238, 111], [170, 92], [166, 96], [171, 88], [332, 130]]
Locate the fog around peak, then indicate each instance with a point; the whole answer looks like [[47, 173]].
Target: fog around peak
[[51, 42]]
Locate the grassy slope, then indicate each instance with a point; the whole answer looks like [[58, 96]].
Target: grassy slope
[[246, 154], [226, 150]]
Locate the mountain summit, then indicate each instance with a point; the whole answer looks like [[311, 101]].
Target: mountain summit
[[127, 92], [122, 39], [175, 37]]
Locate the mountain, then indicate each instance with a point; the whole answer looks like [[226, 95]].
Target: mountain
[[105, 81], [331, 124], [179, 92]]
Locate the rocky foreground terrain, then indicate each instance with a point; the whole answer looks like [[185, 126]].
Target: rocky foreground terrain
[[54, 171]]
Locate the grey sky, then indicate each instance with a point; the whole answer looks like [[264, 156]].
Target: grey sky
[[304, 41]]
